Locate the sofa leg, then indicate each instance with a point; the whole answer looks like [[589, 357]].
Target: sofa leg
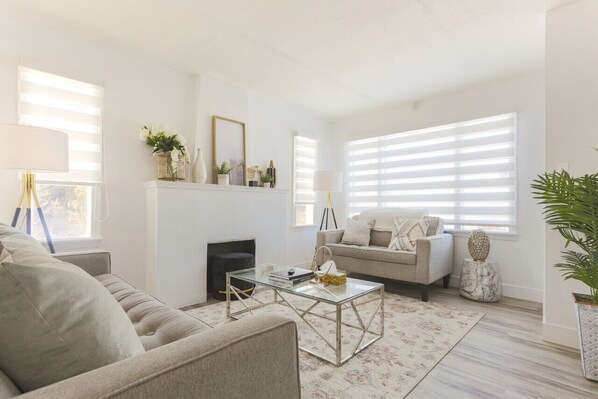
[[424, 292], [445, 281]]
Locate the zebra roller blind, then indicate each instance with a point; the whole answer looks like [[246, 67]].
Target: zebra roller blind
[[69, 106], [463, 172]]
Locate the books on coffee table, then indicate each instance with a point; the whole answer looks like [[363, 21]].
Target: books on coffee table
[[288, 280]]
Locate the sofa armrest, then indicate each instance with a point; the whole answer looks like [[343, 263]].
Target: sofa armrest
[[329, 237], [434, 258], [256, 357], [93, 262]]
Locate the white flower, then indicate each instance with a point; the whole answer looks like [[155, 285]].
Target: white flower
[[182, 139], [175, 154]]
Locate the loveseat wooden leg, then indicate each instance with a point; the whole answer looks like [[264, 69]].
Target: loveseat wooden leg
[[445, 281], [424, 292]]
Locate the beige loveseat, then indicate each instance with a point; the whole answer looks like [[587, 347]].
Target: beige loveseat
[[256, 357], [432, 261]]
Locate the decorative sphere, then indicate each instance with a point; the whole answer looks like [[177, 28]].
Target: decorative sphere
[[479, 245]]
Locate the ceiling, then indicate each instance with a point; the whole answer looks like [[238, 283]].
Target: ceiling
[[332, 56]]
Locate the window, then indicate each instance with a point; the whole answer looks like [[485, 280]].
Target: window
[[73, 107], [464, 173], [305, 155]]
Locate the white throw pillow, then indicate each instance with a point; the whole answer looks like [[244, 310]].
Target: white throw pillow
[[357, 232], [406, 232]]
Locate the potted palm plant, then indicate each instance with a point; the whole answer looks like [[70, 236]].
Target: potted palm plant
[[571, 207]]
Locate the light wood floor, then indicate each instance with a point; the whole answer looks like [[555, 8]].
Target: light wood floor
[[503, 356]]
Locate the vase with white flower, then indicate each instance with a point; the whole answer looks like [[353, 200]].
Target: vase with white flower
[[170, 151]]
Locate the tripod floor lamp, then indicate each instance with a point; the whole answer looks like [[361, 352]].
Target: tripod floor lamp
[[328, 181], [28, 149]]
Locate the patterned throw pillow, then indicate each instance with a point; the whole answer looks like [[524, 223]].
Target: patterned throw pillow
[[405, 233], [357, 232]]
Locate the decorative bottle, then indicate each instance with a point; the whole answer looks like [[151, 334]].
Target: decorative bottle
[[271, 171], [200, 172]]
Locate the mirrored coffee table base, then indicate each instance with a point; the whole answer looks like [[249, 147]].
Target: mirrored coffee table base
[[342, 304]]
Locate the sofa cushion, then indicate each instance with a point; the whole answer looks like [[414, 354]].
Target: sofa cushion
[[380, 238], [384, 217], [58, 322], [357, 232], [16, 242], [406, 232], [156, 323], [381, 254]]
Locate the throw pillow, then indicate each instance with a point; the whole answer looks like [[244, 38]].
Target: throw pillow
[[357, 232], [405, 233], [56, 321]]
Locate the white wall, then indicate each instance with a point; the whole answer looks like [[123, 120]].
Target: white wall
[[571, 132], [138, 92], [270, 128], [520, 257]]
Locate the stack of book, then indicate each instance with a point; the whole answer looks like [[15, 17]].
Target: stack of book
[[286, 279]]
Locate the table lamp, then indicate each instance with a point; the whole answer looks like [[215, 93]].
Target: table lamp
[[328, 181], [30, 148]]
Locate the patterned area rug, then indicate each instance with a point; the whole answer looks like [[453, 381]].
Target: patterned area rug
[[417, 335]]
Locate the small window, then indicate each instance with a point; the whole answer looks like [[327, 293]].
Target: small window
[[305, 155], [73, 107], [464, 173]]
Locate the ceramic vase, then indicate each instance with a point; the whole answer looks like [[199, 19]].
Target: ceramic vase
[[199, 173], [267, 184], [223, 180]]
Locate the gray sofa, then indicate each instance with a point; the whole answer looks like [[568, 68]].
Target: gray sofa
[[432, 261], [256, 357]]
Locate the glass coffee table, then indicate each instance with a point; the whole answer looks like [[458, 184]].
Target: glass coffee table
[[350, 297]]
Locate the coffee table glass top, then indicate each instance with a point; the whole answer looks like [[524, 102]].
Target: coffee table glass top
[[333, 294]]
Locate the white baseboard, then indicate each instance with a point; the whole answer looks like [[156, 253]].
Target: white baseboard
[[510, 290], [560, 335]]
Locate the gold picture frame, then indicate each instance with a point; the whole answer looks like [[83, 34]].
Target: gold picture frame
[[229, 142]]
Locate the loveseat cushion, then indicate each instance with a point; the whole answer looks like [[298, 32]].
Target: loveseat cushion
[[375, 253], [156, 324]]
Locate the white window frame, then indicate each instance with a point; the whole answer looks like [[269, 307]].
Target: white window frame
[[370, 162], [296, 136], [94, 233]]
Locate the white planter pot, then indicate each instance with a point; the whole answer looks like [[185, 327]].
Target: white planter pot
[[587, 323], [267, 185], [223, 179], [199, 173]]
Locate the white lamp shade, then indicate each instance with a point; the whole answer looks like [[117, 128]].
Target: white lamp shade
[[328, 181], [33, 148]]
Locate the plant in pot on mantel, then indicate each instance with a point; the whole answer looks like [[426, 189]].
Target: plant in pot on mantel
[[170, 151], [223, 172], [266, 180], [571, 207]]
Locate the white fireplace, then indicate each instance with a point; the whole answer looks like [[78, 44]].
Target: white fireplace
[[182, 218]]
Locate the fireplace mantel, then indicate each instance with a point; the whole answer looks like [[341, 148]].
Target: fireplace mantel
[[182, 218], [216, 187]]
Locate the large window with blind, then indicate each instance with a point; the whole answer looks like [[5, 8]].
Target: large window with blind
[[463, 172], [73, 107], [305, 158]]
